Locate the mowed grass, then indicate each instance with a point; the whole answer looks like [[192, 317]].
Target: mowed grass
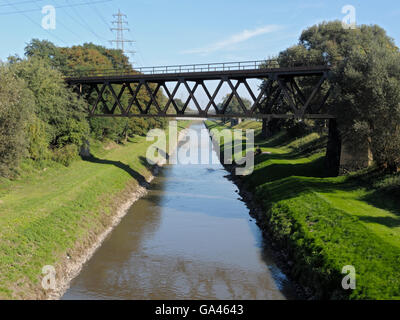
[[52, 208], [326, 223]]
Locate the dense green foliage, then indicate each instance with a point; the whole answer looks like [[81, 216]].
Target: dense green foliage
[[366, 77], [234, 106], [62, 113], [15, 113], [91, 57], [44, 119]]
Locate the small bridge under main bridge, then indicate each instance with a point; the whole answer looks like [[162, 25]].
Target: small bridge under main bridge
[[281, 87]]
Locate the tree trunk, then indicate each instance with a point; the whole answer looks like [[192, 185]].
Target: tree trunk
[[333, 150]]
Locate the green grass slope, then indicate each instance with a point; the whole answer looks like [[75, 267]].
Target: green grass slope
[[326, 223], [52, 210]]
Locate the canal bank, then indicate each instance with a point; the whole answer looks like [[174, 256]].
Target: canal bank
[[54, 215], [190, 237], [134, 190], [256, 210], [322, 226], [294, 256]]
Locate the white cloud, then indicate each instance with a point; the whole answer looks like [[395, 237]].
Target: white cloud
[[234, 39]]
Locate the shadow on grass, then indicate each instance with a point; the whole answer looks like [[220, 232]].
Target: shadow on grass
[[279, 139], [295, 186], [134, 174], [306, 150], [149, 166], [389, 222], [387, 199], [275, 182], [277, 171]]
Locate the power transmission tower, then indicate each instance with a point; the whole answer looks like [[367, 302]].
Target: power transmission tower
[[120, 28]]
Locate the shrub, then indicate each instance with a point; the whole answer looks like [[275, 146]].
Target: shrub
[[38, 140], [15, 103], [65, 155], [55, 104]]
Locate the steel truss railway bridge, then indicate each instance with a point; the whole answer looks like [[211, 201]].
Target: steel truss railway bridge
[[281, 86]]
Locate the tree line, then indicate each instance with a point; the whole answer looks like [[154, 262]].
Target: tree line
[[41, 118]]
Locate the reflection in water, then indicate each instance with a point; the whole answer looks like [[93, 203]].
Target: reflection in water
[[189, 238]]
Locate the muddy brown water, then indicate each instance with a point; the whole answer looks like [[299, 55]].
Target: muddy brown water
[[191, 237]]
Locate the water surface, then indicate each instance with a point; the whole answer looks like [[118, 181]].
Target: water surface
[[191, 237]]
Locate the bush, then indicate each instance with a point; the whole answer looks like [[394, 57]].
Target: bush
[[63, 114], [38, 140], [65, 155], [15, 104]]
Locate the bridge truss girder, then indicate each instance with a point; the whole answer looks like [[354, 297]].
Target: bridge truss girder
[[281, 87]]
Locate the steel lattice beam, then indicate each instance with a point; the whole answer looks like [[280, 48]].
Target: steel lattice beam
[[282, 87]]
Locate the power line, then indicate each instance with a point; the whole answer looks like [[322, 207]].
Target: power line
[[83, 22], [62, 24], [138, 49], [20, 2], [34, 22], [72, 5], [120, 41], [98, 13]]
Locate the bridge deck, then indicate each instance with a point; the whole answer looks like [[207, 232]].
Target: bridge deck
[[133, 77]]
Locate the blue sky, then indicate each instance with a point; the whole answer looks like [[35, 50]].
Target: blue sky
[[185, 31], [171, 32]]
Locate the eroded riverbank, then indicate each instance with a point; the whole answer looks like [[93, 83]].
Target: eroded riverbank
[[72, 265]]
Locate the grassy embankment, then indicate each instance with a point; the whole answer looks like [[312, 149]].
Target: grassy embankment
[[325, 223], [51, 210]]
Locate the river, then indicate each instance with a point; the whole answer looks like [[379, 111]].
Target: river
[[190, 237]]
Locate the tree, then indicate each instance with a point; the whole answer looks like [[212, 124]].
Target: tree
[[90, 57], [62, 113], [369, 91], [179, 103], [46, 50], [234, 106], [365, 75], [15, 105], [271, 104]]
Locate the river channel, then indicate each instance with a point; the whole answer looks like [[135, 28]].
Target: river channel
[[190, 237]]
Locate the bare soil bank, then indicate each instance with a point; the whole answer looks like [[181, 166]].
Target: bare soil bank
[[70, 266]]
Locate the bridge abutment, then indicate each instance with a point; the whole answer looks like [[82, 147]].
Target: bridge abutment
[[85, 149]]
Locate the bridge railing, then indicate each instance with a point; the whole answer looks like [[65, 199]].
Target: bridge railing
[[205, 67], [188, 68]]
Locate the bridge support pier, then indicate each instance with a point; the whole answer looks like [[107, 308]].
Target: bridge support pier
[[85, 149]]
